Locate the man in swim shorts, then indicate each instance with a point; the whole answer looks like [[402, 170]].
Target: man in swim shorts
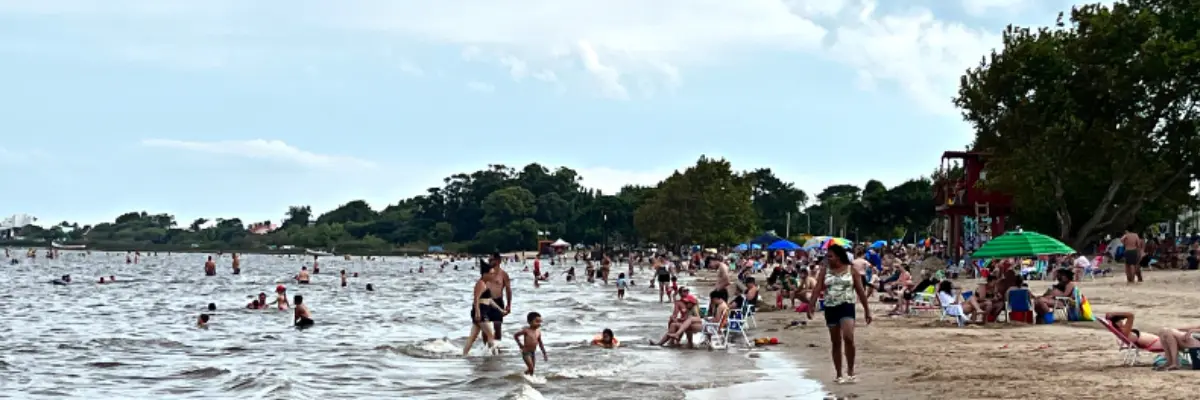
[[1132, 243], [498, 283]]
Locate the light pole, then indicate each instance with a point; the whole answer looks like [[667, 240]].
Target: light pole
[[800, 209], [604, 227], [787, 232]]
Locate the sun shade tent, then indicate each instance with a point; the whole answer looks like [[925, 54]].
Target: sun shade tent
[[783, 245], [1021, 244], [560, 243]]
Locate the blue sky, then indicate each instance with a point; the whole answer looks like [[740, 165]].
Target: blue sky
[[229, 108]]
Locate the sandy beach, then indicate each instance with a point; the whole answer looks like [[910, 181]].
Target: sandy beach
[[921, 358]]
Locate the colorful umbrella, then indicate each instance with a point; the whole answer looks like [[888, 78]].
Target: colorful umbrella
[[1021, 244], [835, 240]]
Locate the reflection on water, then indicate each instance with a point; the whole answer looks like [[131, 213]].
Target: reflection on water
[[136, 338]]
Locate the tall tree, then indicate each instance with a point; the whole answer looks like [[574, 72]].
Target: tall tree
[[708, 204], [1093, 122], [776, 202]]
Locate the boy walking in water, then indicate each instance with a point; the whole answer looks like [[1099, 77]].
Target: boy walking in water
[[530, 339]]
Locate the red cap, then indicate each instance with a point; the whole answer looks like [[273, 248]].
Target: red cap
[[280, 288]]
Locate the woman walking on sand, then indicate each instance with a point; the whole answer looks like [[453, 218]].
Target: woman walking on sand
[[840, 284]]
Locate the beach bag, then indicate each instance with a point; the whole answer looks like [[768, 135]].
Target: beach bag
[[1085, 309]]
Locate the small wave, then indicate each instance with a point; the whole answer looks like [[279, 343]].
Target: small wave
[[433, 349], [525, 392], [136, 343], [201, 373], [587, 372], [106, 364]]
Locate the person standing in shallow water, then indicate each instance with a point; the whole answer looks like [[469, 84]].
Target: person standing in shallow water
[[210, 267], [237, 265], [839, 284], [498, 282]]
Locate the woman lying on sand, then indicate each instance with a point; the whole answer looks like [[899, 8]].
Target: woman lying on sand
[[1168, 341]]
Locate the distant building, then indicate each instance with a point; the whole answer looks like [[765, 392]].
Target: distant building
[[9, 227]]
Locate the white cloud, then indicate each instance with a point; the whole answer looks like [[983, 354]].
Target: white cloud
[[481, 87], [615, 42], [264, 150], [983, 7]]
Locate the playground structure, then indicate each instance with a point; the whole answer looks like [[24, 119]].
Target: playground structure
[[972, 214]]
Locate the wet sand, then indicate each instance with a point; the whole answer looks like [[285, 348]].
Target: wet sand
[[922, 358]]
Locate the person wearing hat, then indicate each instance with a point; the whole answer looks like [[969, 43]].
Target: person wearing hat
[[685, 319], [281, 297]]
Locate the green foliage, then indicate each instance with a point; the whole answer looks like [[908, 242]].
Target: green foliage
[[1092, 124], [708, 204], [502, 209]]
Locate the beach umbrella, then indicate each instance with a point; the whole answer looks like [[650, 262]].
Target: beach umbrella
[[741, 247], [815, 242], [766, 238], [1021, 244], [838, 241], [878, 244], [560, 243], [783, 245]]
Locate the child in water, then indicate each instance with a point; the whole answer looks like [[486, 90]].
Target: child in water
[[621, 285], [532, 340], [302, 318], [606, 340], [203, 321]]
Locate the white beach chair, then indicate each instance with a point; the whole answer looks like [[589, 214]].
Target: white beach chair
[[748, 314], [737, 325], [713, 336]]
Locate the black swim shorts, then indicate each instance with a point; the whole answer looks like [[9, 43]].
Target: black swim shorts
[[1131, 257], [836, 314], [495, 314]]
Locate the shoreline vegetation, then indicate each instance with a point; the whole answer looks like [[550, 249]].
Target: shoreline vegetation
[[502, 209]]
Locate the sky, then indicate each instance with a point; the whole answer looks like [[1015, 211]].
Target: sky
[[232, 108]]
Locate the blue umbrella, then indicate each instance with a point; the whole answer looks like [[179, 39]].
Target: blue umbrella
[[766, 238], [744, 247], [879, 243], [783, 245]]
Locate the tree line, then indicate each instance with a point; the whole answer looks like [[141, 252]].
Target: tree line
[[499, 208], [1090, 123]]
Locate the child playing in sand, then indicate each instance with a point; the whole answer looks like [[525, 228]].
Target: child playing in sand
[[606, 340], [621, 285], [529, 340]]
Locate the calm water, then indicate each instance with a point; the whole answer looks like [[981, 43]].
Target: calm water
[[136, 338]]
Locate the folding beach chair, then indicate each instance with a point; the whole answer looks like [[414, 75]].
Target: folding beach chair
[[1018, 301]]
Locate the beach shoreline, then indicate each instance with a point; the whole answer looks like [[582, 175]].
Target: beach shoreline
[[921, 357]]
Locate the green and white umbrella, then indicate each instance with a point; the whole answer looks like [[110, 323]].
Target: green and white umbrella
[[1021, 244]]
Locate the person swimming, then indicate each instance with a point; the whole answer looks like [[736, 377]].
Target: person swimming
[[259, 303], [202, 322], [370, 288], [64, 280], [210, 267], [302, 317], [606, 339]]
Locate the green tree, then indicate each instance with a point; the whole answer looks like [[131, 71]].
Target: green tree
[[1092, 123], [775, 201], [707, 204]]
